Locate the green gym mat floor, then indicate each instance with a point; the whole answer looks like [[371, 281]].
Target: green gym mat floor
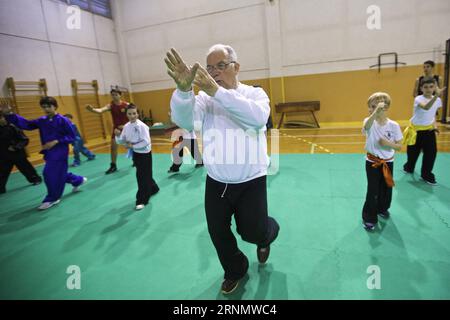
[[164, 251]]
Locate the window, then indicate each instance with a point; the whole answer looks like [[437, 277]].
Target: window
[[100, 7], [83, 4]]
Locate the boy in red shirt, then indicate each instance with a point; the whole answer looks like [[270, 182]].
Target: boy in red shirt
[[118, 109]]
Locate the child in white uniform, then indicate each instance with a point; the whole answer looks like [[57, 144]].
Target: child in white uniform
[[420, 135], [383, 137], [135, 135]]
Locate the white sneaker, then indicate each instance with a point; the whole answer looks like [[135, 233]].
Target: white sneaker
[[140, 206], [77, 188], [46, 205]]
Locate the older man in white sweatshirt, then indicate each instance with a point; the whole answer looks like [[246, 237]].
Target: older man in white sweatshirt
[[232, 117]]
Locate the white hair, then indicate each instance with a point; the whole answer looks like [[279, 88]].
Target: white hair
[[226, 48]]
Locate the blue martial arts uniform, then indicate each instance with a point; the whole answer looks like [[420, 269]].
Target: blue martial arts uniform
[[56, 159], [79, 147]]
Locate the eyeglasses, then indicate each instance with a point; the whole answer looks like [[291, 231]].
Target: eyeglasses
[[220, 66]]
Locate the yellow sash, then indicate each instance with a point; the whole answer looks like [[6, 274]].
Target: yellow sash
[[410, 133]]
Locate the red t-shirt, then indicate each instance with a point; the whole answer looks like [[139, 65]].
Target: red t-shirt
[[119, 113]]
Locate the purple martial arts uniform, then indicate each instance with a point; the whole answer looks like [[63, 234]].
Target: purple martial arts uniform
[[56, 159]]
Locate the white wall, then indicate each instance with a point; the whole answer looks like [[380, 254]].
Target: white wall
[[331, 35], [149, 28], [36, 43], [272, 38], [279, 37]]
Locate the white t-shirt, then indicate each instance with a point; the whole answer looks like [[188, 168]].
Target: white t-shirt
[[389, 131], [424, 117]]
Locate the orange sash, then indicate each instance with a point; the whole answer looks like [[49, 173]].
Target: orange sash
[[378, 162]]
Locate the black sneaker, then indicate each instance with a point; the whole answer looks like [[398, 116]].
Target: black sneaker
[[36, 182], [430, 181], [407, 171], [199, 165], [385, 215], [171, 170], [263, 254], [228, 286], [369, 226], [112, 168]]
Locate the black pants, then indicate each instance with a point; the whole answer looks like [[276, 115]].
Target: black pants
[[379, 195], [177, 153], [426, 142], [144, 175], [18, 159], [248, 202]]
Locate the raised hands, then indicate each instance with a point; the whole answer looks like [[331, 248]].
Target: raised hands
[[182, 74], [440, 91], [205, 82], [380, 108], [397, 145]]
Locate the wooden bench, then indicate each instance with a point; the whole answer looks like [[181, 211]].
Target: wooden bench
[[300, 106], [162, 129]]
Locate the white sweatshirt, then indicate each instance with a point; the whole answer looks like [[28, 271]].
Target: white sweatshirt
[[232, 124], [138, 134]]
